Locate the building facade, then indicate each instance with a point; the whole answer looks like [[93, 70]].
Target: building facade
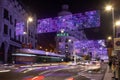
[[66, 38], [65, 43], [11, 38]]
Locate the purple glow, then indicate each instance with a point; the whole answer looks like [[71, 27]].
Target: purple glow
[[96, 47], [65, 22], [69, 22], [39, 52], [78, 20], [20, 28], [45, 25], [93, 19]]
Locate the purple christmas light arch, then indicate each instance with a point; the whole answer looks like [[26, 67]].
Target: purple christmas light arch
[[96, 47], [69, 22]]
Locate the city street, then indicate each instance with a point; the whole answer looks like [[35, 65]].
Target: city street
[[51, 72], [59, 40]]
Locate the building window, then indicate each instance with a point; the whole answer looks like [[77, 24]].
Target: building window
[[6, 14], [22, 38], [15, 23], [66, 51], [36, 36], [31, 35], [66, 40], [11, 20], [10, 33], [118, 35], [26, 40], [35, 44], [5, 29], [60, 40], [19, 37], [14, 35], [66, 46], [29, 32]]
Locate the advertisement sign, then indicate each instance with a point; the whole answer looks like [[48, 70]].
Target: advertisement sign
[[116, 43]]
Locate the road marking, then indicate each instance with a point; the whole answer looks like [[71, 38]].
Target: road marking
[[5, 71], [52, 71]]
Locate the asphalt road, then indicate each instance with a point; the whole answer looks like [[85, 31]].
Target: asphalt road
[[58, 72]]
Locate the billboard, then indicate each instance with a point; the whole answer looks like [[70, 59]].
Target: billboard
[[116, 43]]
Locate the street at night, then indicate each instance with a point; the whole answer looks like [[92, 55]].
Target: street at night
[[52, 72], [59, 40]]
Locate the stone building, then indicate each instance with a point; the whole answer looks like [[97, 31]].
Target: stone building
[[13, 24], [65, 38]]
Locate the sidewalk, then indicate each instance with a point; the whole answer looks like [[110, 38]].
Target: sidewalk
[[108, 75]]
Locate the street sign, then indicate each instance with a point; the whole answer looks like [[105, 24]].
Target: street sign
[[62, 34]]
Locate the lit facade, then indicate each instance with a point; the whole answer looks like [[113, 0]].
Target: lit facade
[[65, 42], [69, 45], [12, 16]]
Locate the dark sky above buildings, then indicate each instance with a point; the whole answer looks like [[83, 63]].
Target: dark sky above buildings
[[50, 8]]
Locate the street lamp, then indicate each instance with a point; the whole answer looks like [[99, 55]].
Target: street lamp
[[30, 19], [24, 32], [109, 38], [117, 23], [62, 30], [40, 47], [69, 40], [46, 49], [110, 8]]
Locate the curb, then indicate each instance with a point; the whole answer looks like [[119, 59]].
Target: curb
[[105, 72]]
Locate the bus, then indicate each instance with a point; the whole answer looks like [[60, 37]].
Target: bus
[[26, 56]]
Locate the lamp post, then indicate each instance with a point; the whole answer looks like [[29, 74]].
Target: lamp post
[[110, 8], [74, 53], [30, 19], [117, 24]]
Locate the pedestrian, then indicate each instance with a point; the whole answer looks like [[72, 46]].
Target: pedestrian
[[110, 65], [117, 72]]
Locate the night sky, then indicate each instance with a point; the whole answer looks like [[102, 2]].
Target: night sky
[[50, 8]]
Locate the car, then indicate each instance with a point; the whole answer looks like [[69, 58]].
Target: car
[[93, 65]]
